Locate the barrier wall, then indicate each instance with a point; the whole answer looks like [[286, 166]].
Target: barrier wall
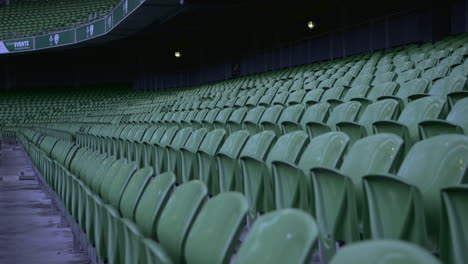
[[75, 35]]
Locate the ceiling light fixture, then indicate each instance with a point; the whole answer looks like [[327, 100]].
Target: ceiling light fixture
[[177, 54], [310, 25]]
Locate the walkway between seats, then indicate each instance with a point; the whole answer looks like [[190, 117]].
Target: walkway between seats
[[30, 227]]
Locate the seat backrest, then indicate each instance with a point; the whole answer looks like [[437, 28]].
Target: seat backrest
[[216, 229], [316, 113], [282, 236], [453, 232], [383, 251], [233, 145], [133, 192], [312, 96], [288, 148], [344, 112], [325, 150], [112, 192], [425, 108], [253, 115], [382, 89], [271, 114], [178, 216], [433, 164], [152, 201], [106, 176], [150, 132], [166, 138], [296, 97], [435, 73], [211, 115], [292, 114], [223, 116], [384, 77], [447, 85], [332, 93], [102, 168], [386, 109], [280, 98], [408, 75], [376, 154], [194, 140], [212, 141], [358, 91], [458, 114], [258, 145], [416, 86], [180, 138], [363, 79]]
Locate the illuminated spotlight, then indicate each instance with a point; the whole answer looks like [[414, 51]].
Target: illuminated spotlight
[[177, 54], [310, 25]]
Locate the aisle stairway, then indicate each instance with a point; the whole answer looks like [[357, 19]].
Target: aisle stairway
[[31, 229]]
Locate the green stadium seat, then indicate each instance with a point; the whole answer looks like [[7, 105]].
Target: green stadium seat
[[216, 229], [228, 165], [146, 215], [256, 174], [455, 123], [252, 119], [338, 193], [415, 191], [386, 109], [235, 121], [185, 161], [393, 251], [344, 112], [205, 162], [178, 216], [282, 236], [407, 124], [453, 233]]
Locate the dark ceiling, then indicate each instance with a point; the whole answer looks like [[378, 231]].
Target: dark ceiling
[[202, 23]]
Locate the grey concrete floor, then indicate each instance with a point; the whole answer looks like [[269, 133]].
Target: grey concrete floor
[[30, 227]]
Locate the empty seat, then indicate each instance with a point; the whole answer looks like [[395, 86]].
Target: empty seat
[[235, 121], [186, 159], [453, 233], [206, 163], [412, 212], [216, 229], [293, 185], [252, 119], [456, 122], [377, 251], [344, 112], [381, 110], [282, 236], [178, 216], [407, 124], [338, 193], [289, 119], [228, 165], [256, 174], [140, 232]]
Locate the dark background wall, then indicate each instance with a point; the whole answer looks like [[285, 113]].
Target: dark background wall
[[236, 41]]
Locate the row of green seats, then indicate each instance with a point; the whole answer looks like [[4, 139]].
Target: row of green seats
[[127, 186]]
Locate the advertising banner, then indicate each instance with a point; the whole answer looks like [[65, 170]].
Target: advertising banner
[[90, 31], [55, 39], [17, 45]]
